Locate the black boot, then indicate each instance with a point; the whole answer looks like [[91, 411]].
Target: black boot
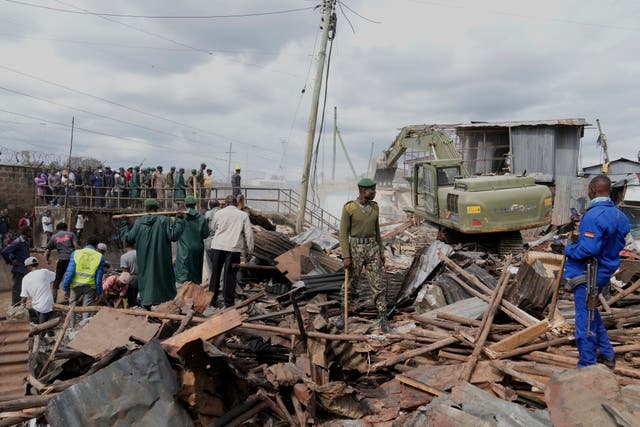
[[340, 322], [384, 324], [609, 363]]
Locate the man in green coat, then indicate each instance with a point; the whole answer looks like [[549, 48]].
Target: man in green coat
[[152, 235], [362, 248], [134, 184], [190, 247], [179, 186]]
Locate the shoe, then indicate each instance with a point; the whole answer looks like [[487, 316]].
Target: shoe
[[609, 363], [340, 322], [384, 324]]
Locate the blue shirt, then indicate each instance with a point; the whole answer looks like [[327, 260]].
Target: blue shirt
[[15, 254], [71, 271], [602, 232]]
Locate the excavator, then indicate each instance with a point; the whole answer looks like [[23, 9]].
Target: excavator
[[489, 210]]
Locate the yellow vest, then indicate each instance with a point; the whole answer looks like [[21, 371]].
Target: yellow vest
[[87, 262]]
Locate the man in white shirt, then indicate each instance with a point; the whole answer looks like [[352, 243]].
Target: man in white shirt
[[36, 285], [80, 220], [47, 226], [232, 234]]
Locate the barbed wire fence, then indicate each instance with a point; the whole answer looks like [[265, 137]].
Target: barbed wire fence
[[41, 159]]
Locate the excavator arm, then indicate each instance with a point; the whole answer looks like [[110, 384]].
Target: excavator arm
[[435, 143]]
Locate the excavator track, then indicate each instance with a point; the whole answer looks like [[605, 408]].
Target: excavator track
[[497, 243]]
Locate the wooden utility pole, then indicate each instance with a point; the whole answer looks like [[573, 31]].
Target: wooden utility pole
[[66, 190], [326, 24], [335, 131]]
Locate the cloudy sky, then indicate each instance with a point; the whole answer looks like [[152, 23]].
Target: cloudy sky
[[179, 91]]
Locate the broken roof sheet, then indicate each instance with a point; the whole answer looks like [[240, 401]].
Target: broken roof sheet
[[506, 124], [14, 358]]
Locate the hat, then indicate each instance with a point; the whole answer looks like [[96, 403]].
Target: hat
[[190, 200], [125, 277], [238, 167], [31, 261], [136, 168], [366, 182], [194, 171], [150, 203], [102, 247]]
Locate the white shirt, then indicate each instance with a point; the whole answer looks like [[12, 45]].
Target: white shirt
[[35, 285], [232, 230], [47, 224], [81, 219]]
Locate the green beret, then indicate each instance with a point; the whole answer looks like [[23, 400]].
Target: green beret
[[137, 168], [194, 171], [366, 182], [151, 202], [190, 200]]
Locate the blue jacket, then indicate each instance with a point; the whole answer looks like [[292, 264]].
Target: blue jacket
[[15, 254], [602, 231], [71, 271]]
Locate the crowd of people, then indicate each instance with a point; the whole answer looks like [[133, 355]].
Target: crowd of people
[[122, 188], [148, 273]]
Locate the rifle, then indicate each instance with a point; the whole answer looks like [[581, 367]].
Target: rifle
[[592, 292]]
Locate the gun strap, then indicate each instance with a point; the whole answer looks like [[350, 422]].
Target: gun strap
[[570, 284]]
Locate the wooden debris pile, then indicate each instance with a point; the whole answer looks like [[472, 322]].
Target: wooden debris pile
[[476, 340]]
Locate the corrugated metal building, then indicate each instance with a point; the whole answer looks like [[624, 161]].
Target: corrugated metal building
[[618, 169], [545, 149]]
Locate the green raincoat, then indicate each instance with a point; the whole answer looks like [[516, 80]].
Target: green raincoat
[[153, 235], [134, 184], [190, 248], [179, 186]]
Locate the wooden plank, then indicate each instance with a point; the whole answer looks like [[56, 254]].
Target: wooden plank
[[519, 338], [419, 385], [214, 326], [507, 369], [631, 289], [413, 353]]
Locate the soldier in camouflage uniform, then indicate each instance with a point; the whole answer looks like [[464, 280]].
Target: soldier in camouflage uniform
[[362, 248]]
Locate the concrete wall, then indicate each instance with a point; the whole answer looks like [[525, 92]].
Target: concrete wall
[[17, 190]]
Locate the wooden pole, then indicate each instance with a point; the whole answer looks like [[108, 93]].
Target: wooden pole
[[135, 215], [66, 191], [487, 321], [346, 299], [59, 338], [556, 290]]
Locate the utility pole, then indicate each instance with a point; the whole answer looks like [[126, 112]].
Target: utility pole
[[335, 131], [66, 192], [328, 21], [229, 163]]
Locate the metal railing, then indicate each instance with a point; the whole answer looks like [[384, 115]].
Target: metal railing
[[131, 199]]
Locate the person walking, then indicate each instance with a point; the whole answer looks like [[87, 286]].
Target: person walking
[[15, 255], [232, 234], [36, 285], [82, 282], [80, 221], [235, 182], [64, 242], [47, 226], [602, 236], [152, 236], [190, 246], [362, 248]]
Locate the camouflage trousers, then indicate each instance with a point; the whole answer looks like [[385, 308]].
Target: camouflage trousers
[[366, 256]]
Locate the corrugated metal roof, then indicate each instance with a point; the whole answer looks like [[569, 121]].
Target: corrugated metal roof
[[14, 358], [552, 122]]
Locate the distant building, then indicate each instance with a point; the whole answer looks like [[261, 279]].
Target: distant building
[[618, 169]]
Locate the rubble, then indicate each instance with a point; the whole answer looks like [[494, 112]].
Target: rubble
[[476, 340]]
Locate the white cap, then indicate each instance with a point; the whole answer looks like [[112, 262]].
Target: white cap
[[102, 247], [31, 261], [125, 277]]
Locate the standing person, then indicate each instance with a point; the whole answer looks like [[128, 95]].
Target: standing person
[[208, 184], [65, 242], [602, 231], [192, 183], [169, 181], [190, 247], [24, 221], [179, 186], [232, 234], [129, 264], [152, 235], [119, 188], [4, 227], [40, 181], [109, 183], [134, 186], [15, 254], [362, 248], [54, 187], [158, 183], [235, 182], [200, 180], [36, 285], [82, 282], [80, 221], [47, 225]]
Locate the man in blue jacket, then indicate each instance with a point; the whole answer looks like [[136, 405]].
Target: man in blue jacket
[[602, 231]]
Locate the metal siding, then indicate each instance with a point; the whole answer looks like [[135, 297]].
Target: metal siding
[[567, 147], [533, 151], [570, 192], [14, 358]]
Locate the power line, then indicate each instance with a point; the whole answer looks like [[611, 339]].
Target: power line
[[117, 104], [125, 15], [342, 3]]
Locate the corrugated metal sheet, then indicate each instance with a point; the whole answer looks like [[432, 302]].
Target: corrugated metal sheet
[[512, 124], [534, 152], [14, 358], [571, 192]]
